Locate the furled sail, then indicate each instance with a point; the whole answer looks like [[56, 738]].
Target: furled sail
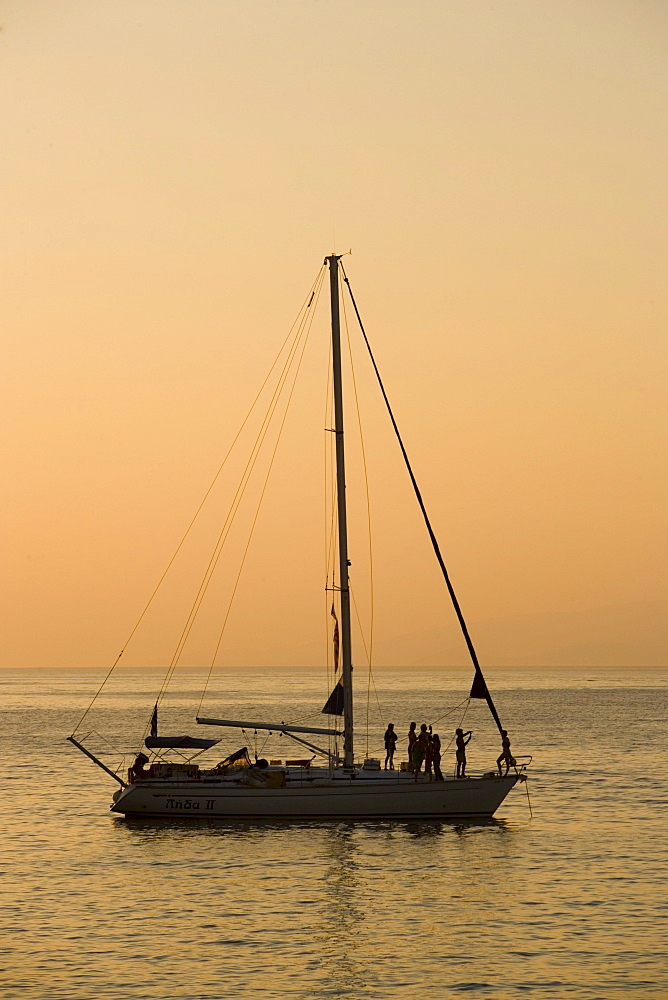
[[178, 743], [335, 639], [272, 727]]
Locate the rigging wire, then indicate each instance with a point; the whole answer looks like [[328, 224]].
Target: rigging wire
[[257, 512], [526, 783], [305, 306], [440, 719], [241, 489], [301, 336], [461, 723], [371, 680], [329, 497], [368, 515], [430, 530]]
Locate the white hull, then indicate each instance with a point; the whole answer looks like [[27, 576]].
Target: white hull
[[344, 798]]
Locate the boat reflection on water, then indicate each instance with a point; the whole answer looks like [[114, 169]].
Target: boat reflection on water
[[340, 905], [340, 918], [155, 827]]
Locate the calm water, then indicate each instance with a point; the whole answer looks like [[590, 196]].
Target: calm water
[[571, 903]]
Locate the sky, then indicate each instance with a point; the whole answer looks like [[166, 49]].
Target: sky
[[172, 175]]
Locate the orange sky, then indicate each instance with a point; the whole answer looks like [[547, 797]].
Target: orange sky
[[173, 174]]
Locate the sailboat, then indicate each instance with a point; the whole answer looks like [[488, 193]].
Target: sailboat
[[342, 787]]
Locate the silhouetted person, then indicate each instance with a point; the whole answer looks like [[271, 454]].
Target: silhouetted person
[[390, 746], [462, 742], [420, 750], [412, 740], [436, 751], [138, 772], [505, 754], [429, 755]]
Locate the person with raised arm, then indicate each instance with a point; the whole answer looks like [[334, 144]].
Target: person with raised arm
[[462, 742]]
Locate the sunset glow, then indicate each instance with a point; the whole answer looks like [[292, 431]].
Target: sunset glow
[[173, 177]]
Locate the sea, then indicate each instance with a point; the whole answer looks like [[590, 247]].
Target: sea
[[561, 895]]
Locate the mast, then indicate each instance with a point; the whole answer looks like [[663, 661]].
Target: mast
[[346, 656]]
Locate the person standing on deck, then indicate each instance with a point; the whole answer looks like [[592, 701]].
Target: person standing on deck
[[420, 750], [436, 750], [505, 754], [390, 746], [412, 740], [429, 755], [462, 742]]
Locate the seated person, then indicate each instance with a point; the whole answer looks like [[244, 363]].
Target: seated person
[[138, 771]]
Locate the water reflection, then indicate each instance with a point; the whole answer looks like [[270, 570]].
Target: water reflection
[[338, 923], [437, 828], [180, 908], [349, 897], [269, 827]]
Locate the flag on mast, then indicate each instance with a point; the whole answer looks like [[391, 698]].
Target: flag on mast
[[335, 639], [335, 701], [154, 721]]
